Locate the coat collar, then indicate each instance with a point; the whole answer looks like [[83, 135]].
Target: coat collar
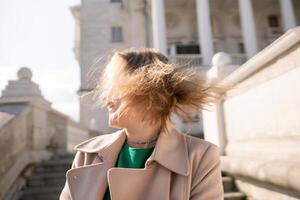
[[171, 150]]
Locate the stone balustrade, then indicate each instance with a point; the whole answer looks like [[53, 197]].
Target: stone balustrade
[[257, 125]]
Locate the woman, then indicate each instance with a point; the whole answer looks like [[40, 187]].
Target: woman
[[148, 158]]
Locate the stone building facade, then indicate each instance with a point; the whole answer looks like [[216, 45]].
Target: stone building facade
[[187, 31]]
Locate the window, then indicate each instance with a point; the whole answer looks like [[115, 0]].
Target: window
[[116, 1], [273, 21], [187, 49], [241, 48], [116, 34]]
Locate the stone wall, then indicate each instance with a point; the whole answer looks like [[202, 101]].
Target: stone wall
[[261, 122], [16, 143], [31, 135]]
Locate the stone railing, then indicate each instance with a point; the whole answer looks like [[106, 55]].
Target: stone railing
[[187, 59], [196, 60], [17, 144], [30, 134], [259, 121]]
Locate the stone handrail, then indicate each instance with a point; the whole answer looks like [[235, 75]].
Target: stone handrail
[[261, 120], [278, 47]]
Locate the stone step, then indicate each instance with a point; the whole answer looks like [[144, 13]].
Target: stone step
[[60, 161], [58, 165], [41, 193], [228, 184], [46, 179], [41, 197], [67, 155], [234, 196], [57, 168]]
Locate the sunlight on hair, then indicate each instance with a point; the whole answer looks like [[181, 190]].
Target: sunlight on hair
[[144, 76]]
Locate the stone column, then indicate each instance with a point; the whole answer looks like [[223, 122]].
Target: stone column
[[248, 27], [204, 30], [288, 15], [159, 26]]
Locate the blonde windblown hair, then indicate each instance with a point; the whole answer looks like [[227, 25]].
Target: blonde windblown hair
[[147, 76]]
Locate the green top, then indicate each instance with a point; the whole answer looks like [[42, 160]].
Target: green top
[[130, 157]]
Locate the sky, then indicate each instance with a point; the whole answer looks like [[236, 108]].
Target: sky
[[39, 34]]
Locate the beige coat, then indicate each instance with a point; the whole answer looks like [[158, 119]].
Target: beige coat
[[181, 167]]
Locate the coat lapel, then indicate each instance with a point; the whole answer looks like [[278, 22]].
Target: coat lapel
[[136, 184], [89, 181], [151, 182]]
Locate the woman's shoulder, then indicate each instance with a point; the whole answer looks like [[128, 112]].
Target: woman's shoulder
[[204, 156], [96, 143], [87, 149], [200, 147]]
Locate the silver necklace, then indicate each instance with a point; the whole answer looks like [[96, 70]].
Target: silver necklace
[[147, 142]]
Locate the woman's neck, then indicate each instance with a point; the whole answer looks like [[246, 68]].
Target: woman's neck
[[142, 137], [148, 145]]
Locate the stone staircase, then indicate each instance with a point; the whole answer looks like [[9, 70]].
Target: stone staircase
[[48, 178], [230, 190]]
